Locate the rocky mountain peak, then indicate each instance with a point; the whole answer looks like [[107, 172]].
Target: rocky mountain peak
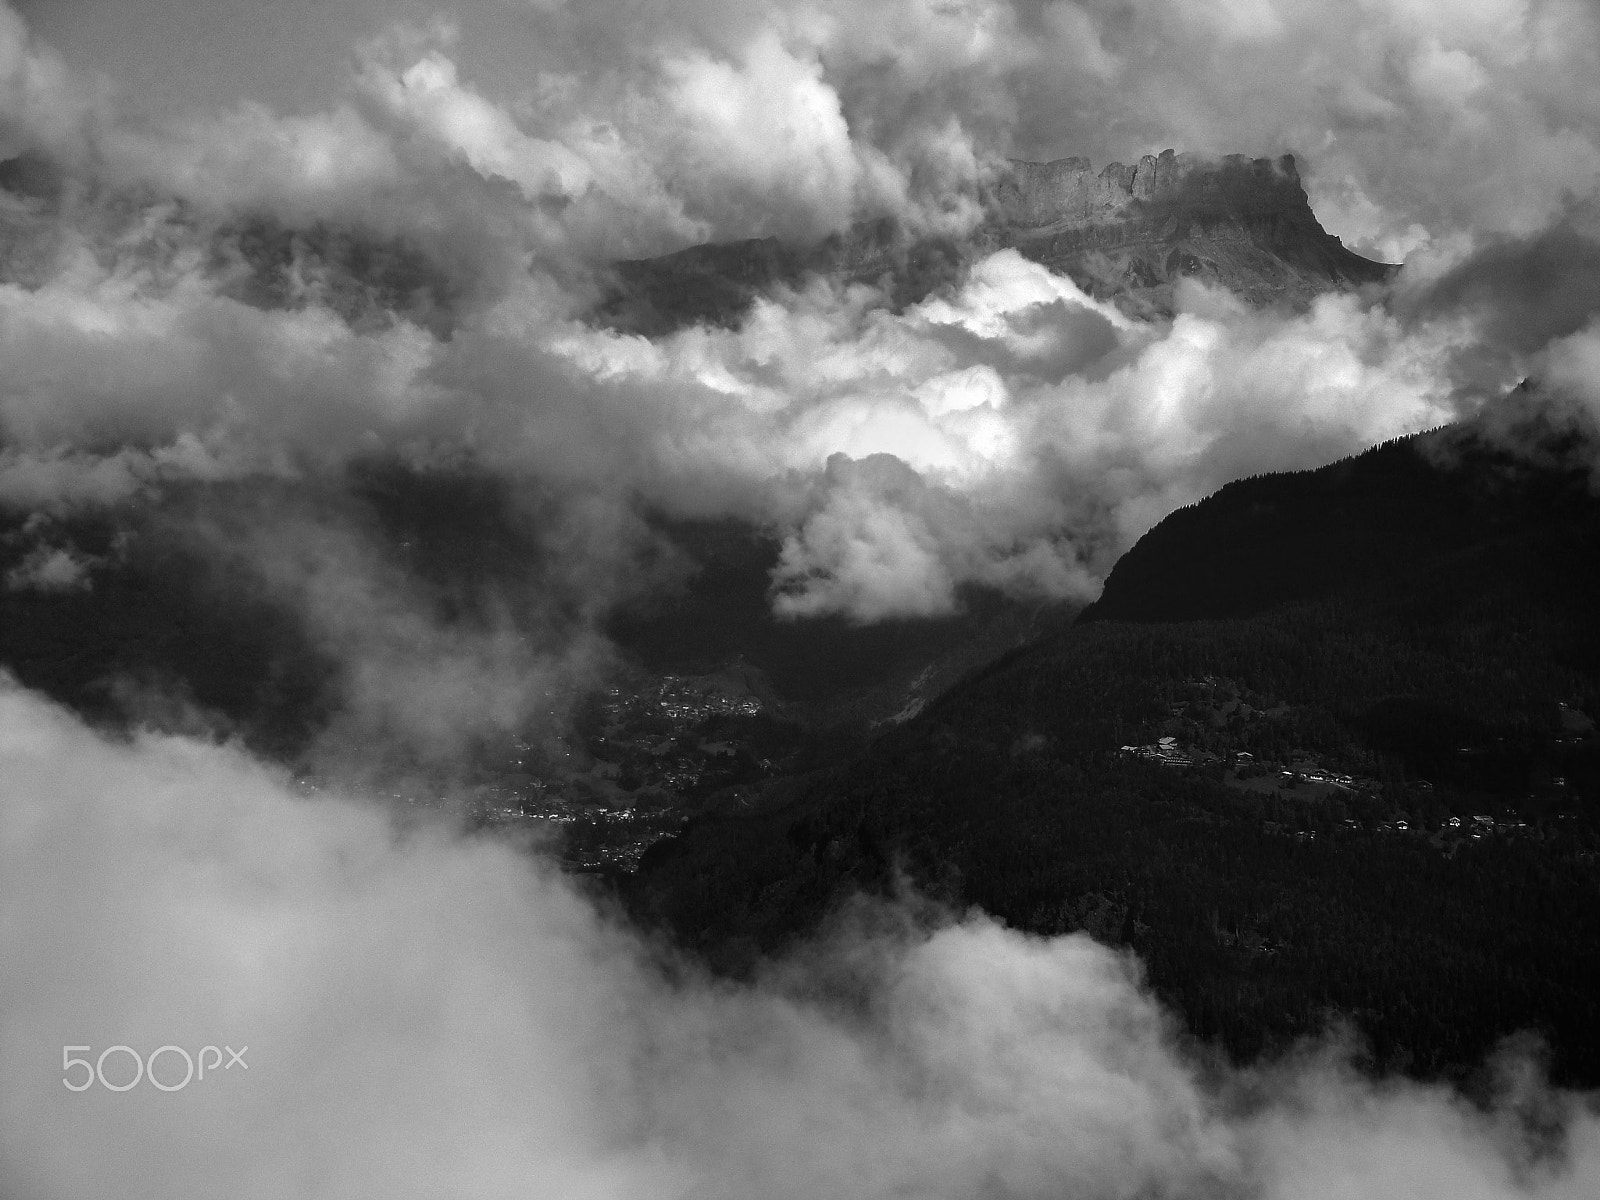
[[1126, 234], [1068, 190]]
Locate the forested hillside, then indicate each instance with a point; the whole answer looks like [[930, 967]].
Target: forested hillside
[[1324, 749]]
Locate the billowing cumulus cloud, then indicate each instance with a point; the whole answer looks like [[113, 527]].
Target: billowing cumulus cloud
[[1419, 120], [243, 294], [422, 1015], [1036, 433]]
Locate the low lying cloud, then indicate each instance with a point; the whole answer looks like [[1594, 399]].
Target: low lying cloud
[[51, 569], [426, 1014], [1013, 433]]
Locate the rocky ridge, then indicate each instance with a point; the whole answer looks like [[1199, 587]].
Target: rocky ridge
[[1125, 234]]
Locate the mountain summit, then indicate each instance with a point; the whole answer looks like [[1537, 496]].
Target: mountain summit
[[1125, 234], [1128, 233]]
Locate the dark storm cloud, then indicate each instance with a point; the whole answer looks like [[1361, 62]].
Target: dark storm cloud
[[1522, 292], [1533, 307]]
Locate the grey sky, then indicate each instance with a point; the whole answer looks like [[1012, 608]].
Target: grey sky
[[172, 56]]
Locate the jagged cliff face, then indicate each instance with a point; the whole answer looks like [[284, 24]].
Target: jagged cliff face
[[1125, 234], [1067, 191], [1129, 233]]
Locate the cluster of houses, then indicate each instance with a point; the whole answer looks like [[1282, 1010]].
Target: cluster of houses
[[1481, 825], [1304, 773], [619, 797], [681, 700], [1167, 752], [1214, 709]]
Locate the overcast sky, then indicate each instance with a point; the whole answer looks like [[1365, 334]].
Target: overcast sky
[[169, 56], [1415, 117]]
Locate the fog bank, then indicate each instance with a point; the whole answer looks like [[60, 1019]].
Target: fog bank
[[427, 1014]]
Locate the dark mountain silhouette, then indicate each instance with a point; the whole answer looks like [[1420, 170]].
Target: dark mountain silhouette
[[1397, 511], [1399, 641], [1125, 234]]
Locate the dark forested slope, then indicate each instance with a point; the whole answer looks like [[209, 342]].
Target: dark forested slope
[[1325, 747], [1376, 519]]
